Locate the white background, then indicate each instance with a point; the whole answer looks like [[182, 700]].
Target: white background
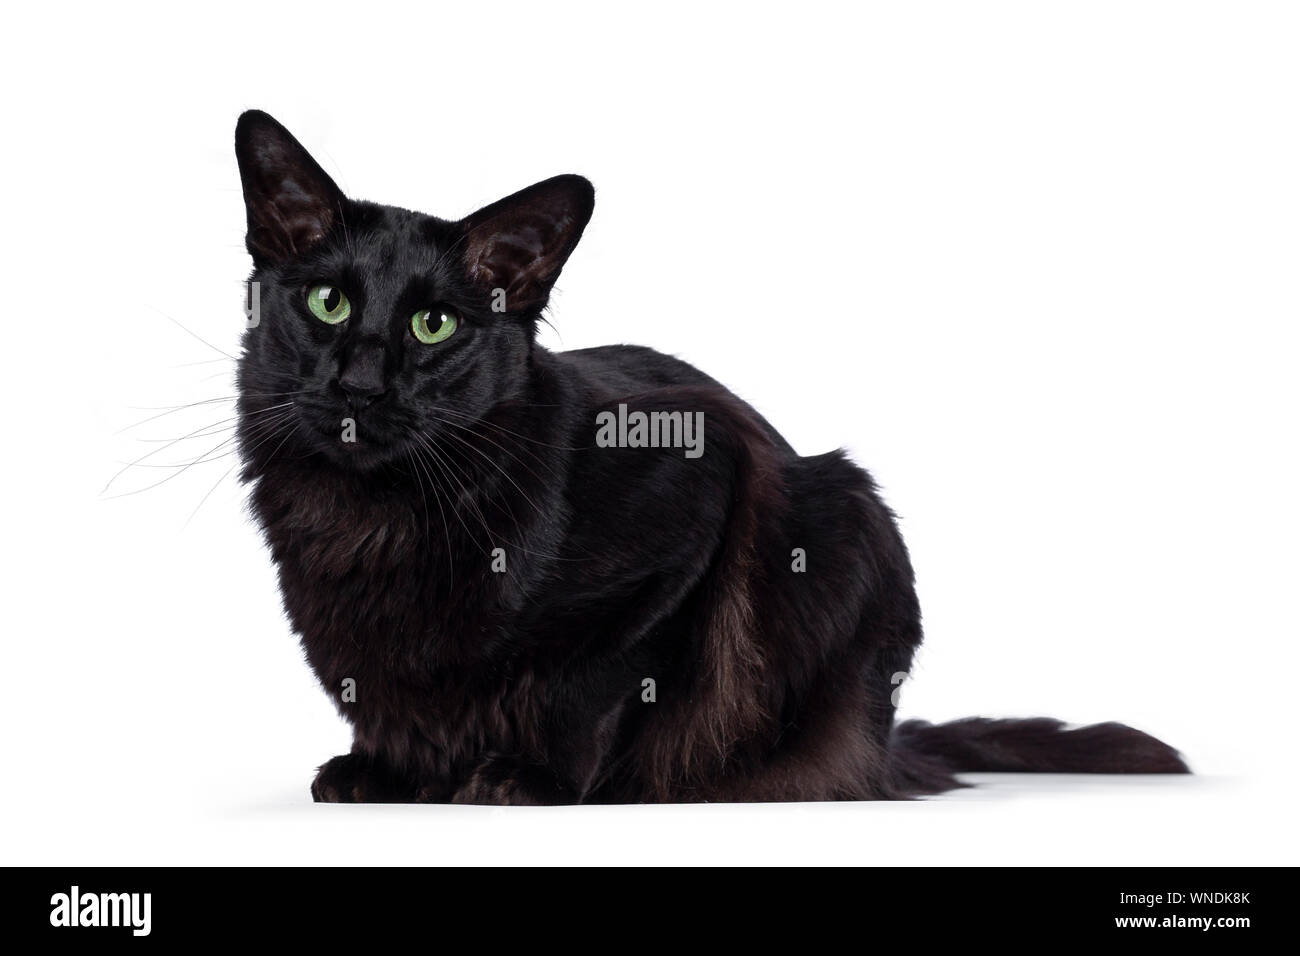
[[1033, 264]]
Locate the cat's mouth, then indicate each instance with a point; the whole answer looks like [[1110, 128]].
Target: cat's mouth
[[353, 448], [351, 440]]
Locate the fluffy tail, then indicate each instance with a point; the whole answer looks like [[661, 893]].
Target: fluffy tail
[[925, 756]]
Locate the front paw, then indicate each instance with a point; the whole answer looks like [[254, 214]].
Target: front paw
[[355, 778], [510, 781]]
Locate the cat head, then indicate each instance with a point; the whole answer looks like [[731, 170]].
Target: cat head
[[375, 325]]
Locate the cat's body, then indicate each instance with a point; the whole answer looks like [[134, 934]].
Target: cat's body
[[525, 615]]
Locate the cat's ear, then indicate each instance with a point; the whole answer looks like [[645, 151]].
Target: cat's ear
[[292, 203], [520, 243]]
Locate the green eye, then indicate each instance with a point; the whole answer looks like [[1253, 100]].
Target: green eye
[[433, 325], [328, 304]]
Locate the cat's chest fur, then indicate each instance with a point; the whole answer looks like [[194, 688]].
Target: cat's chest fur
[[399, 633]]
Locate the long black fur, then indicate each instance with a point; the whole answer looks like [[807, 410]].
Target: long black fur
[[526, 682]]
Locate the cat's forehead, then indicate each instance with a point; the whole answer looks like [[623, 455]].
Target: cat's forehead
[[390, 240]]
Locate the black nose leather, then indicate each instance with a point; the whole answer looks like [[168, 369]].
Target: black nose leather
[[361, 392], [362, 373]]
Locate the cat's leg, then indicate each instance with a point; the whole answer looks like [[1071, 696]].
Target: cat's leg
[[503, 780], [579, 743], [361, 778]]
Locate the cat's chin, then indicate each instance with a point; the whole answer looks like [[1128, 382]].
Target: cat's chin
[[356, 456], [361, 458]]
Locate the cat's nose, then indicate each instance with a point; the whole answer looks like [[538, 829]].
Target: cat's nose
[[361, 375], [361, 391]]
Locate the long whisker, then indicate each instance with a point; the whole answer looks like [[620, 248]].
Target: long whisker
[[151, 454], [483, 421], [427, 439], [203, 362], [275, 431], [171, 409], [468, 496], [214, 487], [254, 427], [466, 468], [446, 528], [502, 448], [420, 484], [504, 473], [279, 446], [216, 428], [202, 458], [465, 493], [196, 335], [459, 422]]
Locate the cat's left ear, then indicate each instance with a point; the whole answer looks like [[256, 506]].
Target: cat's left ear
[[292, 203], [520, 243]]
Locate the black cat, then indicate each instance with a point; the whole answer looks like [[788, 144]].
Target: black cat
[[578, 577]]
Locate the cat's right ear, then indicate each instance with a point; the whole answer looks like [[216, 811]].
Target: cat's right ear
[[518, 244], [292, 203]]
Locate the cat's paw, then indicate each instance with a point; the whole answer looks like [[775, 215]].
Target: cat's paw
[[509, 781], [352, 778]]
